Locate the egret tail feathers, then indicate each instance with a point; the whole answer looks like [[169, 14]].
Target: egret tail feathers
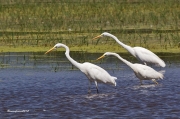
[[115, 78], [162, 72]]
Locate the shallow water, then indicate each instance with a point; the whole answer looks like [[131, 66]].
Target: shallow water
[[33, 85]]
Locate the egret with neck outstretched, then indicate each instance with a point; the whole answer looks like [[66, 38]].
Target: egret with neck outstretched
[[143, 55], [143, 72], [93, 72]]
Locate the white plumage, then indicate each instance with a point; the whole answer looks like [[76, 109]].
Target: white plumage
[[93, 72], [143, 72], [143, 55]]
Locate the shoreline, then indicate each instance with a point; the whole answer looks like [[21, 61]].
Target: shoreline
[[88, 49]]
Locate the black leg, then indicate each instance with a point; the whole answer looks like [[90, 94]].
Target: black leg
[[141, 82], [89, 88], [97, 91], [96, 87]]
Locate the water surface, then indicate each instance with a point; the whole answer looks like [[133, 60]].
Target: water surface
[[34, 85]]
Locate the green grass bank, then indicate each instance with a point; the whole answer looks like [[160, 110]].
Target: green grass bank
[[37, 25]]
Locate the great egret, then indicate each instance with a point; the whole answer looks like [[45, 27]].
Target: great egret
[[142, 54], [143, 72], [93, 72]]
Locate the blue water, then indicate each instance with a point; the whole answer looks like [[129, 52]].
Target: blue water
[[49, 87]]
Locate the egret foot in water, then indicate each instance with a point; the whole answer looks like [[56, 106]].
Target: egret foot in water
[[154, 81]]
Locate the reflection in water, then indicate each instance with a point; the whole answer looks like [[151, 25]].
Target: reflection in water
[[29, 81]]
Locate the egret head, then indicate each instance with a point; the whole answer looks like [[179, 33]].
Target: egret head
[[102, 35], [105, 34], [105, 54], [58, 45], [55, 47]]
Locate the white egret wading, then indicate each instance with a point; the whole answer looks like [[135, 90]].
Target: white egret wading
[[93, 72], [143, 72]]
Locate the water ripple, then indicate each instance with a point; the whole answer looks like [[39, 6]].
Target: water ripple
[[44, 93]]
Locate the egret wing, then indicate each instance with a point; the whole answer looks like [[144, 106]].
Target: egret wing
[[98, 74], [145, 55], [147, 72]]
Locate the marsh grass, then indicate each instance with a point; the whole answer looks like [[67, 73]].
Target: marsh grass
[[38, 25]]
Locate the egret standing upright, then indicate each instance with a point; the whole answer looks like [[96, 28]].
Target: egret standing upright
[[93, 72], [143, 55]]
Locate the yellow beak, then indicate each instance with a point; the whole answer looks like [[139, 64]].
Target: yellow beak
[[50, 50], [96, 37], [100, 57]]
